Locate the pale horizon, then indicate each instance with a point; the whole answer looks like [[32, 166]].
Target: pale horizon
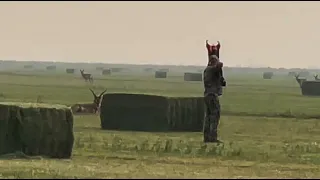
[[255, 34]]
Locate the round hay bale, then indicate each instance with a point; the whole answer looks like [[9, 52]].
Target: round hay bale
[[292, 74], [192, 76], [151, 113], [267, 75], [160, 74], [70, 71], [36, 129], [106, 72]]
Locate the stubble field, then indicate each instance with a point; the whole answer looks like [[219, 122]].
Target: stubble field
[[268, 128]]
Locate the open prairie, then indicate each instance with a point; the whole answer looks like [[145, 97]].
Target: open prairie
[[268, 128]]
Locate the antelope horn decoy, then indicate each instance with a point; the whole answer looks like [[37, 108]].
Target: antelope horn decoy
[[93, 92], [102, 93]]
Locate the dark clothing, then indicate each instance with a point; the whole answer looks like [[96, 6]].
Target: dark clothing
[[212, 86], [212, 118], [211, 80]]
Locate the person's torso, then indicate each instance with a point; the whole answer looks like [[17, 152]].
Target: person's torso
[[211, 81]]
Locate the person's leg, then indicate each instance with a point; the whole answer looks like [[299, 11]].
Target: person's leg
[[206, 122], [212, 117]]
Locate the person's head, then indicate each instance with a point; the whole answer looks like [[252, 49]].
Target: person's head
[[213, 49], [213, 60]]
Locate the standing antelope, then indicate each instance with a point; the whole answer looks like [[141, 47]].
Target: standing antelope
[[300, 80], [93, 107], [86, 76], [316, 77]]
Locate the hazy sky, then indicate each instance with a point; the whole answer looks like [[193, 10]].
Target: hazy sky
[[276, 34]]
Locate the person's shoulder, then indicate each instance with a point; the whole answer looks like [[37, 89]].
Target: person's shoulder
[[209, 69]]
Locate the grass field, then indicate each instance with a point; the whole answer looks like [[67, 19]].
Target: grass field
[[269, 130]]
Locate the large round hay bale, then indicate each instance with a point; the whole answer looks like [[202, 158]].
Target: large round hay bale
[[192, 76], [160, 74], [310, 88], [291, 73], [151, 113], [70, 71], [106, 72], [36, 129], [267, 75], [27, 66], [51, 67]]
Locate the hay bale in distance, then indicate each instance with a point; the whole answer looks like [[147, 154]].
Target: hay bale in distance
[[192, 76], [267, 75], [160, 74], [70, 71], [27, 66], [151, 113], [292, 74], [310, 88], [51, 67], [36, 129], [106, 72], [99, 68]]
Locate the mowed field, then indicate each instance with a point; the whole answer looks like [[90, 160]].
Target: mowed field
[[268, 128]]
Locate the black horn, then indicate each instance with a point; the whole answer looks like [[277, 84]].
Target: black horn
[[93, 92], [102, 93]]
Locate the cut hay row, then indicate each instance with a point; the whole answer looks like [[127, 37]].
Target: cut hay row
[[192, 76], [36, 129], [267, 75], [138, 112], [160, 74], [70, 71]]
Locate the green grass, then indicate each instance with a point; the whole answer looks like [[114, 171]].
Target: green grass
[[253, 147], [269, 130]]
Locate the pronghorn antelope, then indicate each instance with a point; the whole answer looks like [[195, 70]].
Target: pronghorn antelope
[[300, 80], [86, 76], [316, 77], [93, 107]]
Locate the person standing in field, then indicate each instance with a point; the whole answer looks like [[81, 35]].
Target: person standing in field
[[212, 86]]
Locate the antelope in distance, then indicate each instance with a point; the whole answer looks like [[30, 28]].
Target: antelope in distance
[[86, 76], [93, 107], [300, 80], [316, 77]]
